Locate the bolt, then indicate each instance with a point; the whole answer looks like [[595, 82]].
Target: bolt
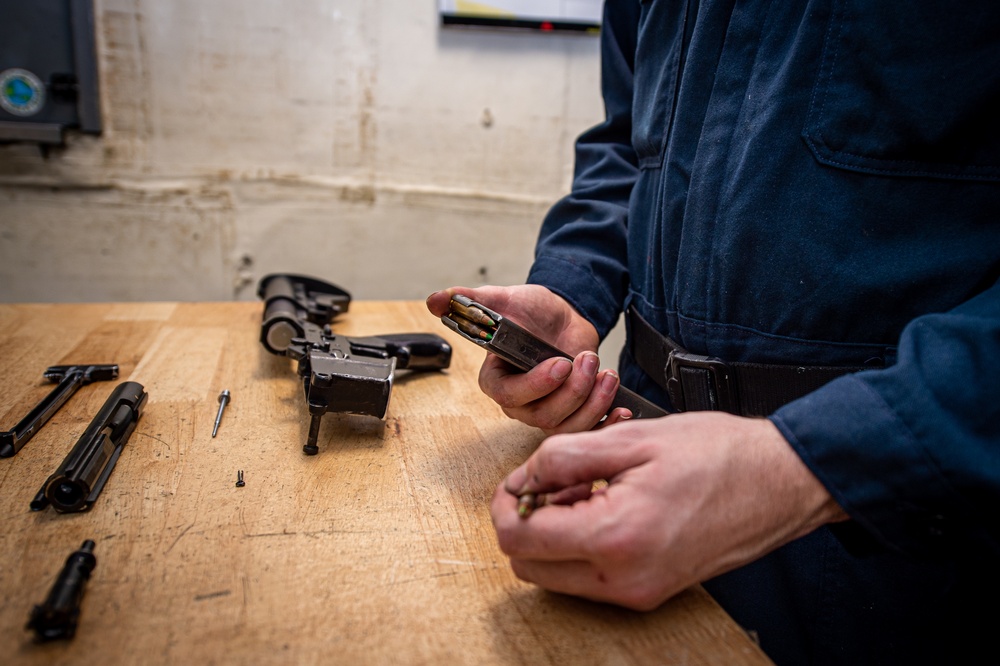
[[239, 479], [223, 401]]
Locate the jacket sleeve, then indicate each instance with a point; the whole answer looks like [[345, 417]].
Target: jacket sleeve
[[912, 452], [581, 250]]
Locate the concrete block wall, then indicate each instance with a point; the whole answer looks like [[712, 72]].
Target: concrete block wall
[[355, 140]]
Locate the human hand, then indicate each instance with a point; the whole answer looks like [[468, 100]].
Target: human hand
[[557, 395], [688, 497]]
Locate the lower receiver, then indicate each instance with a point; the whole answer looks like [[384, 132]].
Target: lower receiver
[[354, 375], [339, 374], [499, 335]]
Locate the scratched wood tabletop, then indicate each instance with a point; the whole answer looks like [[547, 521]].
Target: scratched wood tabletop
[[378, 550]]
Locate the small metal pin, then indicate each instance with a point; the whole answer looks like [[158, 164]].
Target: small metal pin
[[223, 401], [239, 479]]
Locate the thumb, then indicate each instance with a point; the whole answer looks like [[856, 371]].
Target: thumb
[[438, 302]]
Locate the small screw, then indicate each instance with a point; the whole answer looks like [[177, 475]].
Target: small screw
[[239, 479], [223, 401]]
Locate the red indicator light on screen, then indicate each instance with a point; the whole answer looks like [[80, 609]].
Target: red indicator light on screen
[[545, 26]]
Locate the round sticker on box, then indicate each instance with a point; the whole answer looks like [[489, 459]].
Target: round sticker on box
[[21, 92]]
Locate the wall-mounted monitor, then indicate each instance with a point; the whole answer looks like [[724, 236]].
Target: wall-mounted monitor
[[543, 15]]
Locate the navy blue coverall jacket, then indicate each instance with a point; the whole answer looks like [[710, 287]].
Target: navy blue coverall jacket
[[818, 182]]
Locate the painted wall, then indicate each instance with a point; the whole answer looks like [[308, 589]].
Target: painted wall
[[354, 140]]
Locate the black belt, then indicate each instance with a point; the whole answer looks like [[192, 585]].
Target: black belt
[[695, 382]]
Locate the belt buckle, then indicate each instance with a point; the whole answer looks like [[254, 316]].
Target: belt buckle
[[721, 391]]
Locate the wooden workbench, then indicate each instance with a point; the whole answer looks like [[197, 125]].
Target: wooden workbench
[[377, 550]]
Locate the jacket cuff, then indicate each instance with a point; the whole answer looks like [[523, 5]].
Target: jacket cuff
[[577, 285], [869, 460]]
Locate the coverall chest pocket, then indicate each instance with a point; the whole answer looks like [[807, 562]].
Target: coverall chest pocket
[[909, 89], [658, 60]]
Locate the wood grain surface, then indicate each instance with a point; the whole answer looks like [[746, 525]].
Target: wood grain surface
[[378, 550]]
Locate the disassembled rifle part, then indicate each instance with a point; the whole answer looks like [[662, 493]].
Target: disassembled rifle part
[[70, 378], [499, 335], [57, 617], [339, 374], [291, 302], [223, 401], [239, 479], [78, 481]]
